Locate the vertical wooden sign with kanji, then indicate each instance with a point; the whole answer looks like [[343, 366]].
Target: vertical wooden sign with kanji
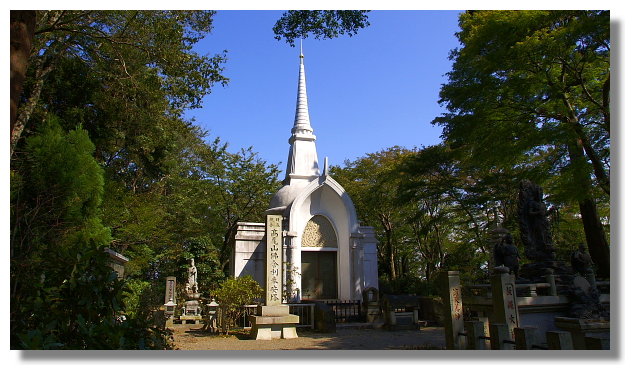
[[273, 277]]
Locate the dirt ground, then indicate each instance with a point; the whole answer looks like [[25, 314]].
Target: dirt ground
[[192, 337]]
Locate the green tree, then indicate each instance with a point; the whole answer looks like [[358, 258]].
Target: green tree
[[406, 249], [464, 205], [63, 293], [246, 186], [323, 24], [128, 57], [192, 212], [55, 200], [530, 89], [370, 182]]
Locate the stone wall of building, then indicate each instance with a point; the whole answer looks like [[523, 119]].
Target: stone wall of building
[[249, 253]]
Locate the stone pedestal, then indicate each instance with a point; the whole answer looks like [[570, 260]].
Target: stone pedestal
[[273, 322], [192, 310]]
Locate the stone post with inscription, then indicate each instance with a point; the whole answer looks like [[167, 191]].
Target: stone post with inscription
[[170, 298], [450, 288], [273, 319], [504, 306], [273, 261]]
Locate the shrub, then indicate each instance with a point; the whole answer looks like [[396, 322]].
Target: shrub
[[234, 293], [82, 311]]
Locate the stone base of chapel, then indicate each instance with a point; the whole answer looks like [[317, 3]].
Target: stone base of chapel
[[273, 322]]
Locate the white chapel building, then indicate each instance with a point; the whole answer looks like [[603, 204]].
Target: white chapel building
[[326, 253]]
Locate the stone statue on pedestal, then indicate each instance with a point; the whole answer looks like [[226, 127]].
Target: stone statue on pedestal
[[192, 310], [534, 225], [192, 274], [506, 254]]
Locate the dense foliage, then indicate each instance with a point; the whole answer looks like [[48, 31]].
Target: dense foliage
[[322, 24]]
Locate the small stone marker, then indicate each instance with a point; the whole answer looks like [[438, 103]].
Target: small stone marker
[[597, 343], [500, 336], [475, 330], [526, 338], [559, 340]]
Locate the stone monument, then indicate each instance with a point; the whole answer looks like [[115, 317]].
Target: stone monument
[[170, 297], [192, 310], [273, 320]]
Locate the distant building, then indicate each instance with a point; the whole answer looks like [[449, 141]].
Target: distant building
[[327, 254]]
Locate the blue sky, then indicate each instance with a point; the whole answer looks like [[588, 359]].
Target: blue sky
[[366, 93]]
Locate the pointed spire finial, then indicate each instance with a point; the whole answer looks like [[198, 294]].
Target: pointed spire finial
[[301, 54]]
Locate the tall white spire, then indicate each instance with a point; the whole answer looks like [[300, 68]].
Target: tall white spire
[[302, 120], [302, 164]]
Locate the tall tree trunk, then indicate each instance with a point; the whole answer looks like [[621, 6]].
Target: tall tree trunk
[[22, 32], [585, 144], [597, 244], [391, 256], [599, 248], [226, 249], [385, 221]]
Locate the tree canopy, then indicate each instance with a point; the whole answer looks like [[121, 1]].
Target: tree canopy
[[529, 90], [322, 24]]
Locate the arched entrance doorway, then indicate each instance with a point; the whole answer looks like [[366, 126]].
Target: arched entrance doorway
[[319, 259]]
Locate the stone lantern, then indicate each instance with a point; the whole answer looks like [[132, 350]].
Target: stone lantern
[[213, 309]]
